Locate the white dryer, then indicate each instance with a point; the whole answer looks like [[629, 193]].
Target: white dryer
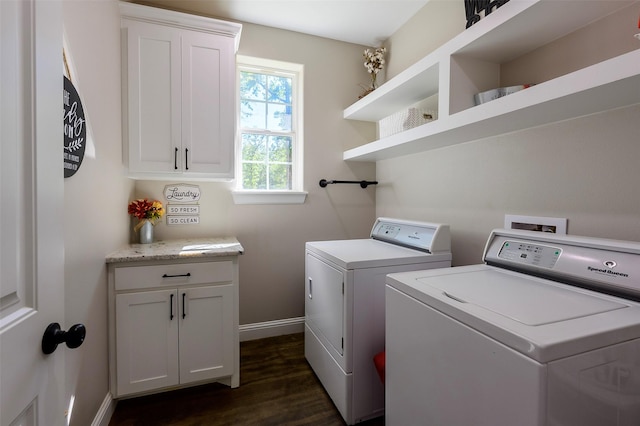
[[545, 333], [344, 306]]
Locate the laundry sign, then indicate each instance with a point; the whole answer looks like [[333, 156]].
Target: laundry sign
[[75, 129], [182, 204], [182, 193]]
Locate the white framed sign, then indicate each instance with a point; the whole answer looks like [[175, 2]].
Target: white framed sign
[[182, 204], [181, 193], [183, 209], [183, 220]]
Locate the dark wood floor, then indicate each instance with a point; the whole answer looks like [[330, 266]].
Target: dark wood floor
[[277, 387]]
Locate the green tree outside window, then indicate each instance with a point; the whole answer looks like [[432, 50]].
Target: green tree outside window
[[267, 136]]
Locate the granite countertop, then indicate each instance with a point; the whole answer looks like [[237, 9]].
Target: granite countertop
[[192, 248]]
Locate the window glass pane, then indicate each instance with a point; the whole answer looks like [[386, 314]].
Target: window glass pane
[[280, 149], [254, 176], [268, 139], [252, 86], [253, 115], [279, 89], [254, 147], [279, 118], [280, 176]]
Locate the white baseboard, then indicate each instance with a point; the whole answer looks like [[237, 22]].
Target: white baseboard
[[106, 410], [260, 330]]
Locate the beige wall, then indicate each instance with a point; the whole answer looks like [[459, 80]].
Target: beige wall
[[95, 198], [272, 268], [583, 169], [436, 23], [607, 38]]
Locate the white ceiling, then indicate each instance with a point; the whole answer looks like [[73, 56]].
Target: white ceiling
[[366, 22]]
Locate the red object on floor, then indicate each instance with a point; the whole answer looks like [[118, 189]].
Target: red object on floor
[[379, 360]]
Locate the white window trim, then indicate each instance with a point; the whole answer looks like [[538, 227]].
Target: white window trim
[[296, 195], [243, 196]]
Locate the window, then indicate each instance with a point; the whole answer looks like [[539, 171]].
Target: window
[[269, 134]]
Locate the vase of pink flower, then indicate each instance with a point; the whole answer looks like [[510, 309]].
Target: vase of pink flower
[[148, 213]]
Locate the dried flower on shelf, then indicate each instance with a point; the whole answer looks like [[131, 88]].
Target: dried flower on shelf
[[374, 59], [374, 63]]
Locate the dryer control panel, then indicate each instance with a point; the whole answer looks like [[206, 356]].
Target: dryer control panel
[[423, 236]]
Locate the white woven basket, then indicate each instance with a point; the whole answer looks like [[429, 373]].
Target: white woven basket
[[405, 120]]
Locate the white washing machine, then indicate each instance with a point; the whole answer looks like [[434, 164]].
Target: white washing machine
[[545, 333], [344, 306]]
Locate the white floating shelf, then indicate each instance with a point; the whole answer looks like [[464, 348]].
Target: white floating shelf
[[515, 29]]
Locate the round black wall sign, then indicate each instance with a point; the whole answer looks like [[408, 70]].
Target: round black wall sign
[[75, 130]]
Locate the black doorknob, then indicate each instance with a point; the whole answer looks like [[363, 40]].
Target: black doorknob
[[54, 335]]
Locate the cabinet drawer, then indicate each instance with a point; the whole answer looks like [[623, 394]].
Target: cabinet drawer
[[140, 277]]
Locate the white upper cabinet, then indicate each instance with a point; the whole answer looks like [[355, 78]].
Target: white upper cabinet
[[473, 62], [178, 94], [154, 98]]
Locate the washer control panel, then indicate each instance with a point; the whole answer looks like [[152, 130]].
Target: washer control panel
[[530, 254], [610, 265]]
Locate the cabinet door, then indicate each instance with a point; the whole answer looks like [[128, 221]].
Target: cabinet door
[[147, 340], [208, 99], [206, 332], [153, 98]]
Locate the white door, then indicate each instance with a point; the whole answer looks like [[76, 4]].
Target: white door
[[31, 197]]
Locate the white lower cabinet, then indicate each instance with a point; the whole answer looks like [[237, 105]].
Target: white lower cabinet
[[147, 341], [174, 324], [204, 342]]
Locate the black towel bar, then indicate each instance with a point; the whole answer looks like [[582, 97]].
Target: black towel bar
[[363, 183]]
